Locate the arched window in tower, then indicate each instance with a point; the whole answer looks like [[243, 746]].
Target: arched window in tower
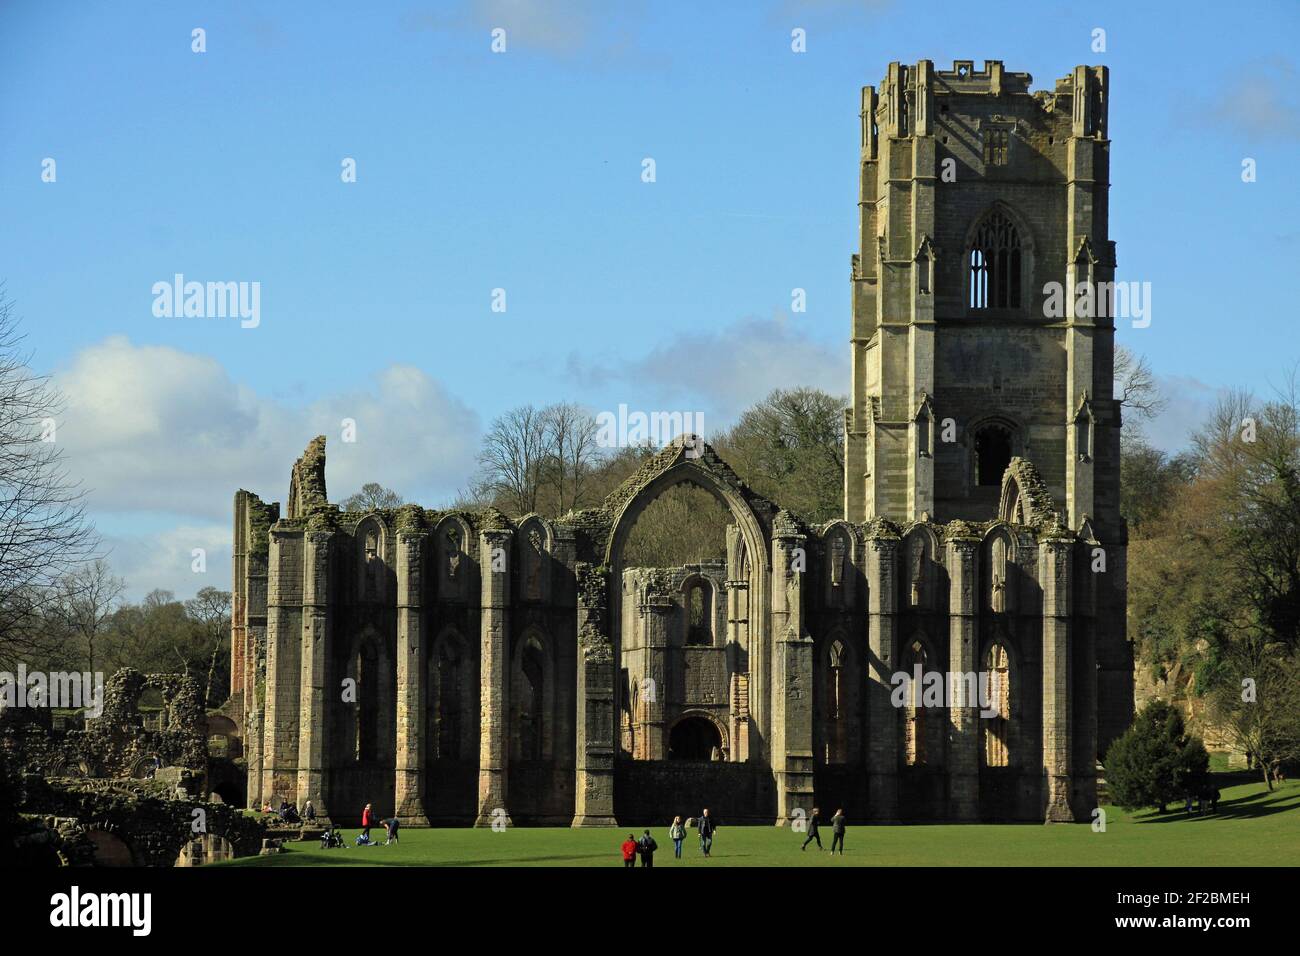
[[913, 710], [366, 668], [531, 707], [992, 454], [997, 694], [836, 705], [995, 265], [699, 611]]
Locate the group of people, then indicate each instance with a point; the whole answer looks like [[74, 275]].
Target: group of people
[[391, 827], [645, 847], [332, 837], [288, 813], [814, 831]]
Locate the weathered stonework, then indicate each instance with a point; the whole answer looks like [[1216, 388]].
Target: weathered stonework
[[516, 671]]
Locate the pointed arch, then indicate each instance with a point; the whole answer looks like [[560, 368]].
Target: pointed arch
[[453, 549], [535, 541], [999, 261], [999, 572], [700, 465], [920, 574], [1025, 499], [371, 538], [840, 550]]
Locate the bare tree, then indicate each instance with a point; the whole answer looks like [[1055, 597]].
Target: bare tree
[[514, 456], [44, 533], [571, 437], [372, 497], [88, 599], [1135, 384], [210, 609]]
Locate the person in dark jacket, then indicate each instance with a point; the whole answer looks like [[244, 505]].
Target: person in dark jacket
[[705, 824], [837, 831], [629, 851], [391, 826], [646, 847], [814, 833]]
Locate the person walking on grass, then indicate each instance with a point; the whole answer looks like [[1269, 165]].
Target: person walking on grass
[[814, 833], [677, 833], [647, 847], [629, 852], [705, 825], [837, 831]]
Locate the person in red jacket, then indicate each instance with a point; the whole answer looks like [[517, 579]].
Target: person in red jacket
[[367, 821], [629, 851]]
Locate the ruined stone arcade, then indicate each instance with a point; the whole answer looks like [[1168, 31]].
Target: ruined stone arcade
[[461, 668]]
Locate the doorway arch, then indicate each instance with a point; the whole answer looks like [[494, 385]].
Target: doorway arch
[[694, 737]]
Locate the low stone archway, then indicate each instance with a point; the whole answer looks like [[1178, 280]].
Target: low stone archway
[[110, 850], [695, 737]]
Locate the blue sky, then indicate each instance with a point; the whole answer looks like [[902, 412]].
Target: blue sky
[[522, 171]]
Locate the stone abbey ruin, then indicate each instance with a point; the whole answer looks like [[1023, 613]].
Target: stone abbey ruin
[[461, 668]]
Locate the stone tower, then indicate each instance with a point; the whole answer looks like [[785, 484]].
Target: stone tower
[[981, 202]]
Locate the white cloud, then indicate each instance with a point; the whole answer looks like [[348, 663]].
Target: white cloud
[[1260, 103], [166, 559], [154, 429], [721, 371]]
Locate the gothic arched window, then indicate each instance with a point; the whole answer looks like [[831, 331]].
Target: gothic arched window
[[995, 262], [997, 691], [699, 611]]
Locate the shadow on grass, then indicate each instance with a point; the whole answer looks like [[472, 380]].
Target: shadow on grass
[[1262, 803]]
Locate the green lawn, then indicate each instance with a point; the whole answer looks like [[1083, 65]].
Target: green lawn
[[1252, 828]]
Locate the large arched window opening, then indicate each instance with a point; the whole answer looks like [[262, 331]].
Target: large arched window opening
[[995, 264], [992, 454], [997, 702]]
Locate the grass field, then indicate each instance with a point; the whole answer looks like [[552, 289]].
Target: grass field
[[1252, 828]]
